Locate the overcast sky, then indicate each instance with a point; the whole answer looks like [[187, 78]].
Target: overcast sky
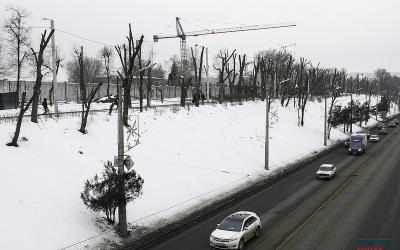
[[359, 35]]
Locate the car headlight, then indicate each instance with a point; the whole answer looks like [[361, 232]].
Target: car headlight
[[359, 149]]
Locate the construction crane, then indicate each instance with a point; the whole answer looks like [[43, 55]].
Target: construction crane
[[183, 35]]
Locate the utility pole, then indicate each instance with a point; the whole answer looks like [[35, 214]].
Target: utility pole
[[351, 107], [208, 77], [123, 230], [267, 132], [53, 55], [325, 123]]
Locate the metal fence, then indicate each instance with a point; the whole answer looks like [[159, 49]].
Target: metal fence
[[67, 91]]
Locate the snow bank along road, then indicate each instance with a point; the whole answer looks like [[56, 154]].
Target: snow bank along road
[[360, 205]]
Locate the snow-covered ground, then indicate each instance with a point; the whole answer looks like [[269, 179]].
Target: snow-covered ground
[[186, 157]]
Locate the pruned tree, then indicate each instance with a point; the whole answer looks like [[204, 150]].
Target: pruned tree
[[142, 64], [302, 80], [107, 55], [36, 89], [225, 57], [256, 69], [49, 66], [334, 90], [92, 71], [127, 55], [149, 83], [86, 100], [242, 66], [231, 72], [197, 76], [18, 39]]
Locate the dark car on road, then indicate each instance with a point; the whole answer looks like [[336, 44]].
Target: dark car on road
[[381, 125], [383, 131], [347, 143], [392, 124], [396, 121]]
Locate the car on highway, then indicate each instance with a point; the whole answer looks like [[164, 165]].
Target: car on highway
[[396, 121], [235, 230], [383, 131], [347, 143], [392, 124], [374, 138], [326, 171], [381, 125]]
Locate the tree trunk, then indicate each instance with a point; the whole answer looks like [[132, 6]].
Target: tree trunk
[[149, 87], [36, 94], [14, 141]]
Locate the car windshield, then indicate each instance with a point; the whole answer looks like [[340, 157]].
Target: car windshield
[[325, 168], [374, 136], [231, 224]]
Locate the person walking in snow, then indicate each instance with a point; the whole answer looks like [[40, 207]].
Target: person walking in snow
[[114, 103], [45, 107], [202, 98]]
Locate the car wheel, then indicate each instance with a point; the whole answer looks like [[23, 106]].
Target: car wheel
[[241, 244], [258, 232]]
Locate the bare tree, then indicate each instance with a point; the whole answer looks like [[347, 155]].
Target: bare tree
[[86, 100], [224, 56], [256, 69], [231, 72], [197, 76], [3, 68], [18, 40], [36, 88], [92, 70], [127, 55], [142, 64], [242, 65], [334, 91], [47, 65], [107, 54]]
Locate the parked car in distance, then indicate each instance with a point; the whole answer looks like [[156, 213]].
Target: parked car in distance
[[383, 131], [392, 124], [380, 125], [235, 230], [396, 121], [326, 171], [347, 143], [374, 138]]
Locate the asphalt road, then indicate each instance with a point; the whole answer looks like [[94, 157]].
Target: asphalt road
[[301, 212]]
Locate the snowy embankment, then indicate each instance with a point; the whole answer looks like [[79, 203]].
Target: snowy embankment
[[186, 157]]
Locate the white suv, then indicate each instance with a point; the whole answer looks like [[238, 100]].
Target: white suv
[[326, 171], [235, 230]]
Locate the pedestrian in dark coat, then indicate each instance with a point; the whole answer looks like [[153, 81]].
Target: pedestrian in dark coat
[[202, 98], [45, 107]]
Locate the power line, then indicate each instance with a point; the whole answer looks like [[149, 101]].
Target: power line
[[191, 166], [84, 38]]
